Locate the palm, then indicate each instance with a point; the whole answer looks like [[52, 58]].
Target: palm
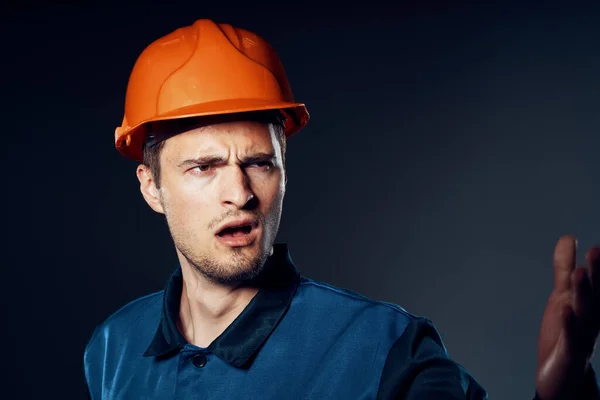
[[570, 323]]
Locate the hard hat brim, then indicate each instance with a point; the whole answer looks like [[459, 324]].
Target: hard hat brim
[[129, 140]]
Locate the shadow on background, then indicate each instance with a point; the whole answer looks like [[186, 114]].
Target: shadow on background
[[449, 148]]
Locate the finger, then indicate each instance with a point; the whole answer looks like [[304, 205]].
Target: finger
[[593, 262], [584, 326], [569, 323], [582, 294], [564, 262]]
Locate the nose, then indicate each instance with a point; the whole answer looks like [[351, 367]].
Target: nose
[[236, 190]]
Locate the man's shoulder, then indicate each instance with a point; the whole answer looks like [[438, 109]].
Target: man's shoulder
[[344, 295], [343, 301], [133, 317]]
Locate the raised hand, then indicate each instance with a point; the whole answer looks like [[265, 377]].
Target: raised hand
[[570, 325]]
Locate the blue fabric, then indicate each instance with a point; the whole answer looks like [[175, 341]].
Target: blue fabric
[[302, 339], [323, 348], [296, 339]]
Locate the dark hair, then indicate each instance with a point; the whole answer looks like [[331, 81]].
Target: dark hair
[[165, 129]]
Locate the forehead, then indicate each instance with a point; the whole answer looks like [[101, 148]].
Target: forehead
[[243, 136]]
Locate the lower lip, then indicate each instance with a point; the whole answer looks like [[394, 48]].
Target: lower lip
[[239, 241]]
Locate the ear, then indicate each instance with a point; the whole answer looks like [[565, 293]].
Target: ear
[[285, 179], [148, 188]]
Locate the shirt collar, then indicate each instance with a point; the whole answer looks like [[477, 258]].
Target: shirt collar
[[240, 342]]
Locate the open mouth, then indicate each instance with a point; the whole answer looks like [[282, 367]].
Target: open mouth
[[235, 231]]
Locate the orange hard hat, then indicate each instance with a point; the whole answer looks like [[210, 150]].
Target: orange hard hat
[[204, 69]]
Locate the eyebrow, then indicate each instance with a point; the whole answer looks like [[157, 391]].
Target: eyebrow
[[213, 160]]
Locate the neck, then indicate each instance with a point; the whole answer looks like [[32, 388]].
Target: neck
[[208, 308]]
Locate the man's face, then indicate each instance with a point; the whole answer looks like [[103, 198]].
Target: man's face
[[216, 176]]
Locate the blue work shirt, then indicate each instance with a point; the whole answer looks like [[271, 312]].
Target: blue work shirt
[[296, 339]]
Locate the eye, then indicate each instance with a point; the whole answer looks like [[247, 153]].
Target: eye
[[266, 165], [201, 168]]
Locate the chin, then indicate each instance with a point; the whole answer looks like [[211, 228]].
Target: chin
[[238, 268], [243, 254]]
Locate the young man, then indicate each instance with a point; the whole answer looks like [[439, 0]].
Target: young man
[[208, 112]]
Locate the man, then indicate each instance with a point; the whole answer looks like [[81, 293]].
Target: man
[[208, 112]]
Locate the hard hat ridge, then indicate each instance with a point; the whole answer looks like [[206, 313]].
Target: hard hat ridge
[[200, 70]]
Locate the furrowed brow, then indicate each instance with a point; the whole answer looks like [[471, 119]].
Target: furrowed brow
[[214, 160], [203, 160], [255, 157]]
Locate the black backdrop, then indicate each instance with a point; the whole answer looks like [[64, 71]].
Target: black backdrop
[[449, 147]]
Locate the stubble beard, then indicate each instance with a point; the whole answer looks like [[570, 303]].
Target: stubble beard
[[240, 268]]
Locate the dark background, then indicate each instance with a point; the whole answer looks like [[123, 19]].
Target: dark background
[[449, 147]]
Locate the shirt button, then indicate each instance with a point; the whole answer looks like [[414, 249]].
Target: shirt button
[[199, 360]]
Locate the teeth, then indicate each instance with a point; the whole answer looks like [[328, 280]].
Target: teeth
[[231, 229]]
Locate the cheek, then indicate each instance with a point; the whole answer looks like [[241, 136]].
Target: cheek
[[188, 208], [270, 188], [273, 204]]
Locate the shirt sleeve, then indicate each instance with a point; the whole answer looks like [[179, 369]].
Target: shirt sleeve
[[88, 394], [419, 368], [92, 365]]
